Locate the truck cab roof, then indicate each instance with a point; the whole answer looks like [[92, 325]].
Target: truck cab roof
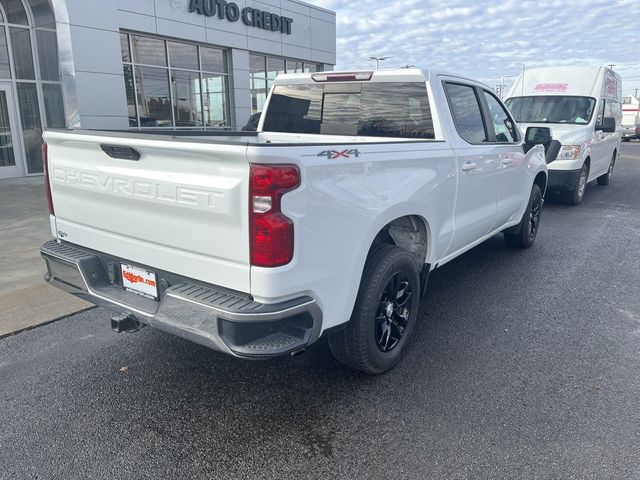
[[383, 75]]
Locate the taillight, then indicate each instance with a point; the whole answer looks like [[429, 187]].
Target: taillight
[[47, 182], [271, 232]]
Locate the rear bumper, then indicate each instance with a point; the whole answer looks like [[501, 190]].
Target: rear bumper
[[217, 318], [562, 180]]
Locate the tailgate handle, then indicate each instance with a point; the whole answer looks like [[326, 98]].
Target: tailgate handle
[[123, 153]]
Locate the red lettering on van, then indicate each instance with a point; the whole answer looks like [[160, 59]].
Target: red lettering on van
[[551, 87]]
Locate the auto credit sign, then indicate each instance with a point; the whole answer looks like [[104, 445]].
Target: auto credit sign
[[252, 17]]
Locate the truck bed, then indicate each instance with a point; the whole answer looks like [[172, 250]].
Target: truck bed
[[173, 200]]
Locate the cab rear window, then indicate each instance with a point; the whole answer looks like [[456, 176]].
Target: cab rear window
[[390, 109]]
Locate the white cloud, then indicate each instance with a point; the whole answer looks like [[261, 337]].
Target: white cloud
[[487, 40]]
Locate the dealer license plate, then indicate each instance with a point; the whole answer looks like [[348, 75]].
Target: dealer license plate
[[139, 281]]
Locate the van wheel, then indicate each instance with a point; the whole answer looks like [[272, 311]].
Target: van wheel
[[384, 315], [575, 196], [524, 234], [606, 178]]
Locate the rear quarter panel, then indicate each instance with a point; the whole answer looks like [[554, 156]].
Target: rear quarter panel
[[343, 203]]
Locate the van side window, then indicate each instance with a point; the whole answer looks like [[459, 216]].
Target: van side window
[[467, 115], [503, 125], [600, 113], [613, 109]]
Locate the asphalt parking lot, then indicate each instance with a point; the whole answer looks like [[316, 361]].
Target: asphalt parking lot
[[525, 365]]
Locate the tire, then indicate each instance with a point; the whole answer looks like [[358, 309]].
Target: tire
[[380, 328], [606, 178], [625, 139], [575, 196], [524, 234]]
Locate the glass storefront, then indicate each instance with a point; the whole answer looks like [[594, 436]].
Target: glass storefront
[[173, 84], [30, 77], [169, 82], [263, 71]]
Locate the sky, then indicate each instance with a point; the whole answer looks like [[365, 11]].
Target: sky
[[487, 40]]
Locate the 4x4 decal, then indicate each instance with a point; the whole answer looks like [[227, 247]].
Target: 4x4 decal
[[333, 154]]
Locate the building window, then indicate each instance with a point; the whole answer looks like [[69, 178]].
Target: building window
[[29, 60], [174, 84], [263, 71]]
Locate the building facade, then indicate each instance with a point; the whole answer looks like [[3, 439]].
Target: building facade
[[146, 64]]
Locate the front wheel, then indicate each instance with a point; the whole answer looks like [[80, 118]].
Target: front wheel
[[606, 178], [524, 234], [575, 196], [385, 313]]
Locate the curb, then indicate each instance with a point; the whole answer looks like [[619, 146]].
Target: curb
[[48, 322]]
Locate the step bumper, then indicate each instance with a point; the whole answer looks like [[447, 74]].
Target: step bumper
[[224, 320]]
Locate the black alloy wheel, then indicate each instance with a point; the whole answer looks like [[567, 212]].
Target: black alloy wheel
[[385, 312], [393, 312], [524, 234], [534, 217]]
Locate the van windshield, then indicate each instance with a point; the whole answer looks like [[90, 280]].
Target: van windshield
[[552, 109], [363, 109]]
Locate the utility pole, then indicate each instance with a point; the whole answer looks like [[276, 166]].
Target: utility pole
[[501, 87], [378, 60], [611, 65]]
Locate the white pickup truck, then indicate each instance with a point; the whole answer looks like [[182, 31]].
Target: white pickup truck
[[326, 221]]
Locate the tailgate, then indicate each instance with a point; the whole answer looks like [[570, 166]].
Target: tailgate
[[182, 207]]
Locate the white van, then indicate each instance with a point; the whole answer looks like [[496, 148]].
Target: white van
[[583, 107], [630, 118]]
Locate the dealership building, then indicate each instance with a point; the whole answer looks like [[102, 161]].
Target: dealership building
[[146, 64]]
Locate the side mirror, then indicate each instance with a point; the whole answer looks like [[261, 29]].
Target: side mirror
[[553, 151], [538, 136], [542, 136], [608, 125]]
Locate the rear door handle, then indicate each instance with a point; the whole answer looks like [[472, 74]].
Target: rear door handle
[[507, 161], [467, 167]]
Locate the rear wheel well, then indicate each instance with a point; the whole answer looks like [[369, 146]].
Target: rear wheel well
[[409, 233]]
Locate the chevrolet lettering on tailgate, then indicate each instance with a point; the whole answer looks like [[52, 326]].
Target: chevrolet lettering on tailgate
[[145, 190]]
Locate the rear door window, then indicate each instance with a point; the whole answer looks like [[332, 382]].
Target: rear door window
[[389, 109], [467, 115]]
